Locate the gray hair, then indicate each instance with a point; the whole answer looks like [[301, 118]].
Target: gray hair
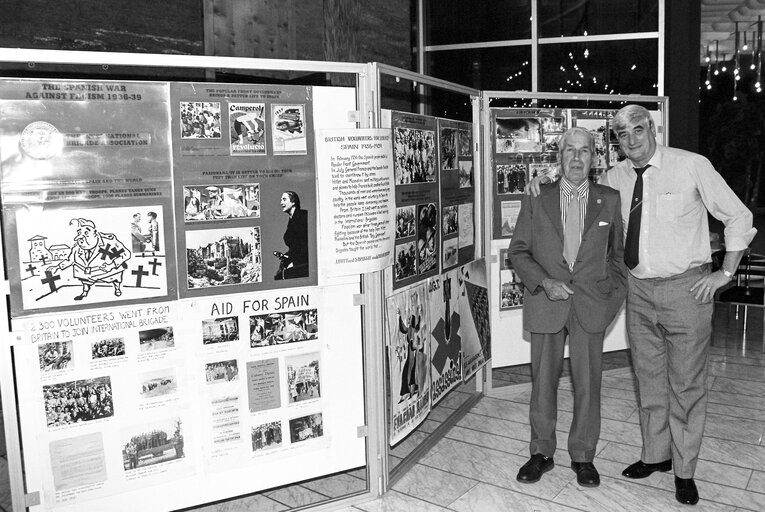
[[576, 129], [631, 114]]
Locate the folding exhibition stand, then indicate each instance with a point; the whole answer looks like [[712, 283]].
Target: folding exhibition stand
[[558, 111], [355, 298]]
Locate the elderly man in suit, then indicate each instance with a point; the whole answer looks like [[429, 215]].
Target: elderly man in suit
[[568, 251]]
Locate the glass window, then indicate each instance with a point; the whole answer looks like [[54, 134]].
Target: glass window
[[458, 21], [609, 67], [505, 69], [597, 17]]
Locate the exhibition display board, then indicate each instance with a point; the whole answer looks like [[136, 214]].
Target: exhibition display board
[[172, 337], [522, 145]]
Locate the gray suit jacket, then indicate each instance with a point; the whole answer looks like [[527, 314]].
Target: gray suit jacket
[[599, 275]]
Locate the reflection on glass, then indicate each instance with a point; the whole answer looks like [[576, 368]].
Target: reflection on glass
[[596, 17]]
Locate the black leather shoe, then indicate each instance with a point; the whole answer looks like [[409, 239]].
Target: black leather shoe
[[586, 474], [685, 491], [641, 470], [533, 470]]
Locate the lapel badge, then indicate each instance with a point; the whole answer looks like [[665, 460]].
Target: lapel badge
[[598, 201]]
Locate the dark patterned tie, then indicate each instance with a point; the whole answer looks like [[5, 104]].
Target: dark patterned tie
[[632, 245]]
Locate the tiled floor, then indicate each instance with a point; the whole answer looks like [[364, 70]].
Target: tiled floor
[[473, 468]]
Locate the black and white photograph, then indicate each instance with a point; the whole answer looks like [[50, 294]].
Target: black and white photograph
[[405, 263], [223, 257], [598, 129], [405, 222], [451, 252], [510, 286], [279, 328], [615, 154], [465, 143], [153, 443], [247, 128], [553, 124], [266, 436], [414, 156], [306, 427], [303, 380], [551, 169], [427, 229], [221, 371], [78, 401], [56, 355], [158, 383], [156, 339], [109, 347], [518, 135], [212, 202], [220, 330], [450, 219], [511, 178], [200, 120], [448, 148], [466, 173], [550, 142]]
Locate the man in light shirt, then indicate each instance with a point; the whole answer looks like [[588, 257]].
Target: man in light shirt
[[665, 196]]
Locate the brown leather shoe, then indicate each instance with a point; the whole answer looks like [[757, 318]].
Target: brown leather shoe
[[642, 470], [685, 491], [586, 474], [533, 470]]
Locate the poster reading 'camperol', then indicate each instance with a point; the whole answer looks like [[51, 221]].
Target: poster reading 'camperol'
[[86, 191], [418, 218], [245, 187]]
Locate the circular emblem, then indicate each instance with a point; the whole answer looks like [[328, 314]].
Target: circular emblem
[[41, 140]]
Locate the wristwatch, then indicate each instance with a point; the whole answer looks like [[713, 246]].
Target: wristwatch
[[727, 274]]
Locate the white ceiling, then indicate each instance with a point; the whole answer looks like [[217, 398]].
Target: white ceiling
[[718, 24]]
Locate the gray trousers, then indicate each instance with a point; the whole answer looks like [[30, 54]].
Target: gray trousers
[[669, 333], [585, 351]]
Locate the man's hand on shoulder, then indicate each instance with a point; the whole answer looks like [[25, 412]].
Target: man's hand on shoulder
[[555, 289], [533, 187]]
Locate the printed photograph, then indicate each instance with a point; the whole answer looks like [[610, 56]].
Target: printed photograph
[[78, 401], [220, 330], [279, 328], [427, 250], [511, 178], [553, 124], [450, 220], [414, 156], [303, 377], [615, 154], [110, 347], [550, 142], [405, 222], [598, 129], [466, 173], [448, 148], [247, 128], [158, 383], [200, 120], [550, 169], [210, 202], [518, 135], [288, 130], [156, 339], [55, 356], [221, 371], [306, 427], [451, 252], [511, 288], [222, 257], [266, 436], [153, 443], [405, 264], [466, 143]]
